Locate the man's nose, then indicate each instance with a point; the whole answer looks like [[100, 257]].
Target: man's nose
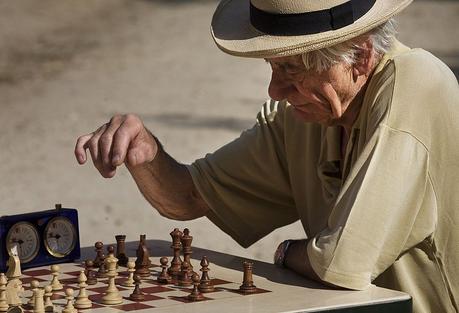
[[279, 86]]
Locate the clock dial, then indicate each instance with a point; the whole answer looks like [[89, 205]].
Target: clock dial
[[24, 236], [60, 237]]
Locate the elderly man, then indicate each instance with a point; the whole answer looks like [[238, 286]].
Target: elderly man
[[358, 141]]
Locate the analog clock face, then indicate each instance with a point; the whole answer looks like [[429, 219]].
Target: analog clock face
[[60, 237], [24, 236]]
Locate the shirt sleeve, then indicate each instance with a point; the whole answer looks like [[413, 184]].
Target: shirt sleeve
[[387, 205], [246, 183]]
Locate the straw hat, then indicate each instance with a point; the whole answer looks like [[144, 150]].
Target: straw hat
[[273, 28]]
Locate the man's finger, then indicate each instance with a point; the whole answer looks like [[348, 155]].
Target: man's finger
[[80, 148], [106, 140], [123, 138]]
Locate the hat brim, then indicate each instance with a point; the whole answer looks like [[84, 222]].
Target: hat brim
[[233, 33]]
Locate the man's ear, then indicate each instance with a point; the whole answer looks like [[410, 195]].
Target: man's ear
[[364, 59]]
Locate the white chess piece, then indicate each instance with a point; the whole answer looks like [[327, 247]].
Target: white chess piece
[[112, 295], [129, 282], [3, 301], [34, 284], [82, 300], [49, 307], [39, 304], [55, 283], [69, 308]]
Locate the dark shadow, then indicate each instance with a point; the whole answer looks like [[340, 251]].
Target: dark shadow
[[180, 2], [180, 120], [269, 271]]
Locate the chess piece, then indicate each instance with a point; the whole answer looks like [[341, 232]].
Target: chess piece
[[195, 295], [38, 304], [174, 269], [69, 308], [186, 240], [247, 281], [34, 285], [99, 254], [82, 300], [205, 284], [14, 287], [185, 279], [143, 241], [129, 282], [142, 262], [89, 272], [137, 294], [112, 295], [102, 272], [3, 301], [49, 307], [121, 250], [55, 283], [164, 277]]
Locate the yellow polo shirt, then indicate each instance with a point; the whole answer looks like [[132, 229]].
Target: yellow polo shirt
[[388, 213]]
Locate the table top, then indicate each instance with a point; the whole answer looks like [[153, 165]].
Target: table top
[[289, 292]]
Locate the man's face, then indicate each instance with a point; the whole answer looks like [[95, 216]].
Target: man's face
[[316, 97]]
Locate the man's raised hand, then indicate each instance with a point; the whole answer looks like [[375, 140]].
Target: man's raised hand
[[124, 139]]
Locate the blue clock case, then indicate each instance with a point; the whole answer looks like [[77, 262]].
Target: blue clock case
[[39, 220]]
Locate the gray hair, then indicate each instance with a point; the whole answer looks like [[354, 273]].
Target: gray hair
[[381, 36]]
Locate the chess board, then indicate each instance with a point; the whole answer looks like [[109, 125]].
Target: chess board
[[156, 295]]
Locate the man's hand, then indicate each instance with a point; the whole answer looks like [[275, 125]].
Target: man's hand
[[122, 140], [164, 182]]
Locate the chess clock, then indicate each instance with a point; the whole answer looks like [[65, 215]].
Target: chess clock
[[41, 238]]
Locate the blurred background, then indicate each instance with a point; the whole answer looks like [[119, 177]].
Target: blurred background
[[67, 66]]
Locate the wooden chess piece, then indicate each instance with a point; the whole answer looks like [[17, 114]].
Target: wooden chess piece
[[176, 263], [137, 294], [3, 301], [82, 300], [129, 282], [69, 308], [102, 272], [195, 295], [143, 241], [185, 279], [89, 272], [34, 285], [205, 284], [247, 281], [14, 287], [186, 240], [99, 254], [121, 250], [112, 295], [164, 277], [49, 307], [39, 304], [55, 283], [142, 263]]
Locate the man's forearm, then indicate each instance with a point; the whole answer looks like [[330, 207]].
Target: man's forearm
[[168, 186]]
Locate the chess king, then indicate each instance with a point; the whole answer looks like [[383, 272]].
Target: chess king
[[358, 141]]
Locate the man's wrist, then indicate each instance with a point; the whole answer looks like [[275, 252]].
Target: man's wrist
[[281, 252]]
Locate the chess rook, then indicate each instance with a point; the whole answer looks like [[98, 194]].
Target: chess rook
[[247, 282], [121, 250]]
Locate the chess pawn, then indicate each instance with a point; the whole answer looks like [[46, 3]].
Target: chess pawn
[[185, 279], [137, 294], [247, 281], [82, 300], [102, 272], [164, 277], [90, 275], [34, 285], [39, 304], [55, 283], [3, 301], [99, 254], [205, 284], [129, 282], [69, 308], [49, 307], [195, 295]]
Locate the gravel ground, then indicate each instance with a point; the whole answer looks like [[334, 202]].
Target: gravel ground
[[67, 66]]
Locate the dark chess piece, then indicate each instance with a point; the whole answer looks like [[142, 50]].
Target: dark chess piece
[[174, 269], [142, 263], [102, 272], [195, 295], [185, 279], [186, 240], [164, 277], [247, 281], [121, 250], [99, 254], [205, 285], [89, 272], [137, 294]]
